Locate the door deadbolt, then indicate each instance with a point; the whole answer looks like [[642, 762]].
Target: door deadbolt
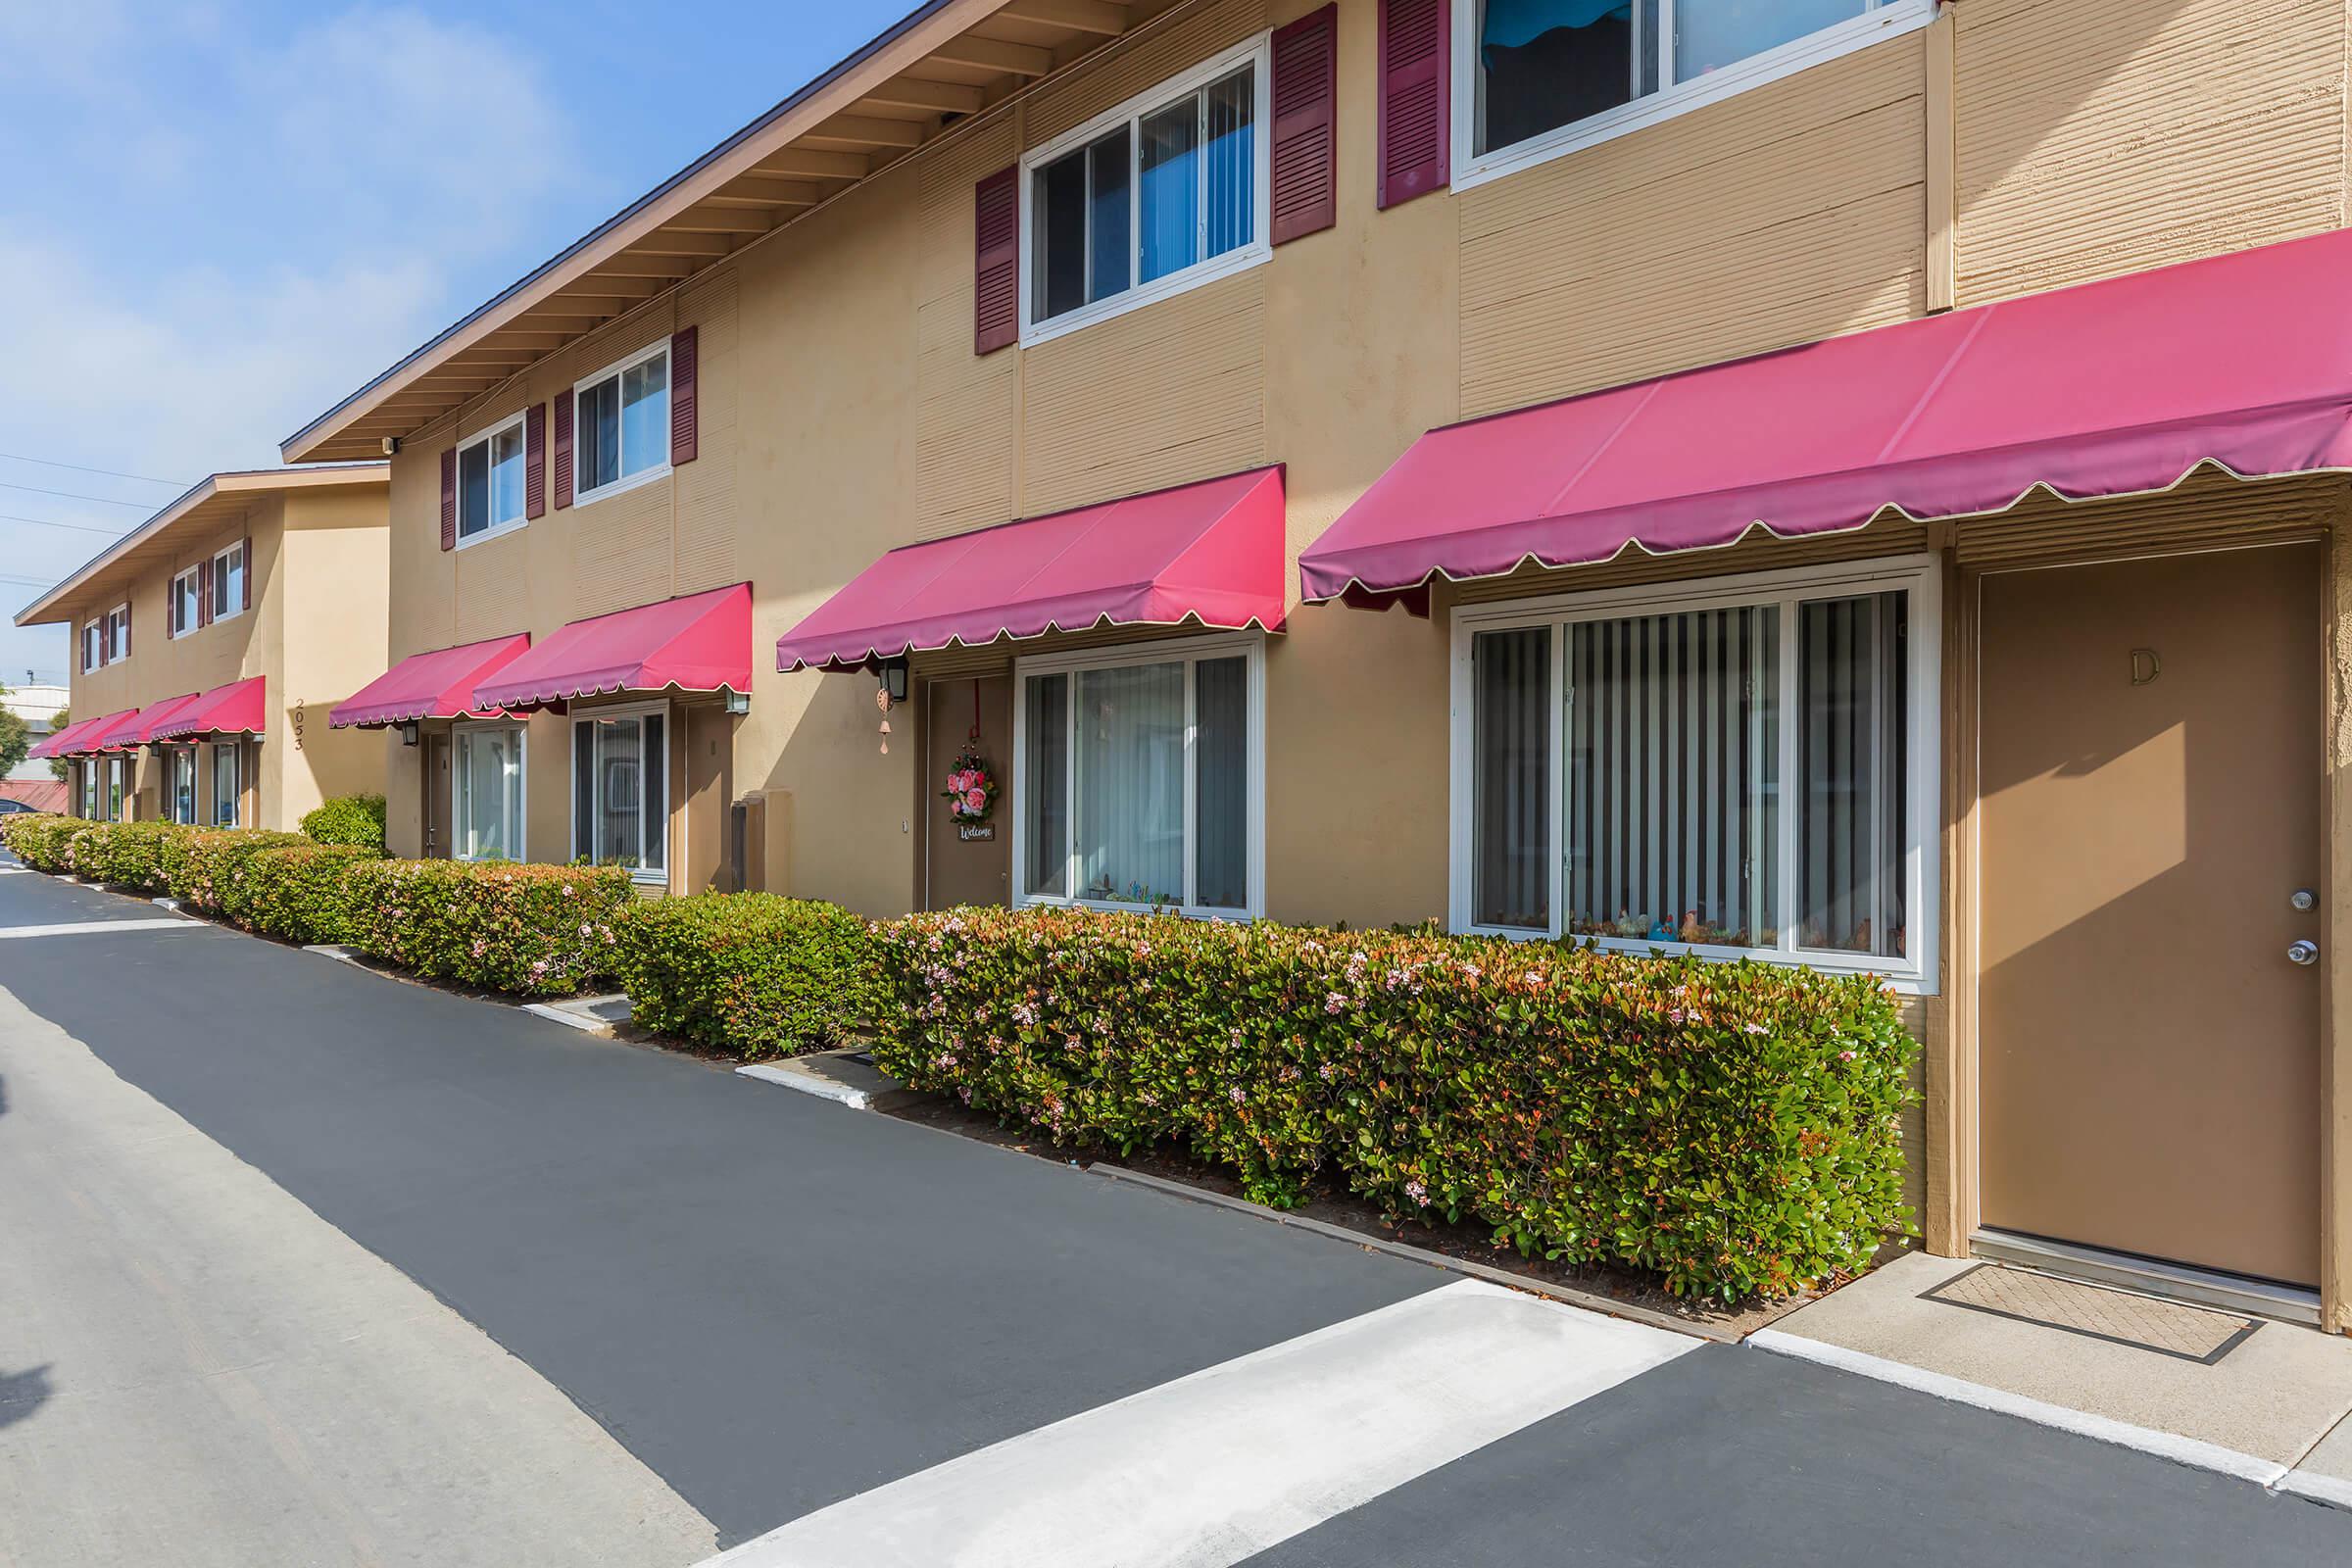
[[2301, 899], [2304, 952]]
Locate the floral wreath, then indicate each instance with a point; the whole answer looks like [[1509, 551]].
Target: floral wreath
[[971, 792]]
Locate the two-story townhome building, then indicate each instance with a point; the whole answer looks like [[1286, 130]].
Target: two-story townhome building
[[208, 643], [1848, 482]]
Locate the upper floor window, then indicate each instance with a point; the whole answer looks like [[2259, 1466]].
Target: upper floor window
[[186, 591], [93, 646], [1539, 77], [490, 481], [117, 633], [621, 424], [228, 581], [1163, 192]]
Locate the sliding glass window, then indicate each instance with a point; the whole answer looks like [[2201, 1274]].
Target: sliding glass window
[[1746, 773]]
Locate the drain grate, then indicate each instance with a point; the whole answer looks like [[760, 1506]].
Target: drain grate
[[2167, 1328]]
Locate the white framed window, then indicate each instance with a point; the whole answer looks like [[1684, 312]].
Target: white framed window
[[93, 646], [1743, 768], [490, 481], [88, 771], [228, 782], [117, 634], [179, 784], [1162, 194], [228, 582], [620, 789], [1139, 777], [115, 768], [185, 589], [620, 425], [486, 792], [1535, 78]]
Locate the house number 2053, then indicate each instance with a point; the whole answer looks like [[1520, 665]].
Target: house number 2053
[[298, 726]]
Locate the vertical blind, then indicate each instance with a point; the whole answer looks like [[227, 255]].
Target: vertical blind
[[1512, 876], [1853, 721], [1673, 751], [1673, 748]]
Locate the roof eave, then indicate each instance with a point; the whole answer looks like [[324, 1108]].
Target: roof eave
[[928, 26]]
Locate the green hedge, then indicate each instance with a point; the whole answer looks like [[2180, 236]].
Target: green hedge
[[1732, 1127], [208, 870], [127, 854], [301, 892], [748, 973], [538, 930], [353, 820], [41, 839]]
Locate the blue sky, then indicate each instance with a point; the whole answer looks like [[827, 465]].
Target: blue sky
[[221, 216]]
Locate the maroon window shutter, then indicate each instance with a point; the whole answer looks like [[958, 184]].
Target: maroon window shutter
[[1307, 81], [997, 262], [534, 461], [448, 498], [684, 439], [563, 403], [245, 556], [127, 631], [1415, 97], [204, 593]]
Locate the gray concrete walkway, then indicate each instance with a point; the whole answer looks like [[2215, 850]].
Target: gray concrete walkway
[[195, 1369]]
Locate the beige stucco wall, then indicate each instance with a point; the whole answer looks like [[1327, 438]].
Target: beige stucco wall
[[315, 632], [844, 411]]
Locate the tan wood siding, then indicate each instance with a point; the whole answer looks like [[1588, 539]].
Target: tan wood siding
[[706, 556], [1141, 63], [966, 402], [1172, 392], [1790, 213], [2108, 136]]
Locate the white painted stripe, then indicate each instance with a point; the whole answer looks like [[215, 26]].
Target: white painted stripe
[[1220, 1466], [2082, 1423], [2331, 1489], [87, 927], [16, 870]]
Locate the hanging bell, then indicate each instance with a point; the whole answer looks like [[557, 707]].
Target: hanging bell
[[886, 726]]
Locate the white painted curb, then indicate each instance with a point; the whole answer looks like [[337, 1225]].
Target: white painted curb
[[807, 1082], [2328, 1490], [569, 1020], [2101, 1429]]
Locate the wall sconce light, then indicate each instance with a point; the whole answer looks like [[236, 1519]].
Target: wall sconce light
[[407, 733], [894, 678], [739, 701]]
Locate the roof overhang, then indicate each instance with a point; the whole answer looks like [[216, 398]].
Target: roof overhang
[[213, 500], [937, 68]]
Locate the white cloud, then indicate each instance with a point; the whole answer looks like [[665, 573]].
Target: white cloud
[[315, 207]]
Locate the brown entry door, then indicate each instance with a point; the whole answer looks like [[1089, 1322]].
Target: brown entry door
[[966, 865], [434, 755], [2150, 776]]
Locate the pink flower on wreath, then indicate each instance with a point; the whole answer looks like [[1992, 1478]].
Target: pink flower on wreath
[[975, 800]]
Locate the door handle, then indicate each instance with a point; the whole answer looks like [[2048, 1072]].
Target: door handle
[[2303, 950]]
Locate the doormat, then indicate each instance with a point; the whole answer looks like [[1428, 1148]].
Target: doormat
[[2119, 1317]]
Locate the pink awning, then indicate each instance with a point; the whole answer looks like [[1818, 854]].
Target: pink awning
[[436, 685], [1210, 553], [701, 642], [240, 708], [68, 741], [130, 729], [155, 715], [2110, 388]]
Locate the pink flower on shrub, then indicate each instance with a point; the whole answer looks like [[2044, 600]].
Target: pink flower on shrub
[[1334, 1003], [1417, 1193], [1235, 1094]]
